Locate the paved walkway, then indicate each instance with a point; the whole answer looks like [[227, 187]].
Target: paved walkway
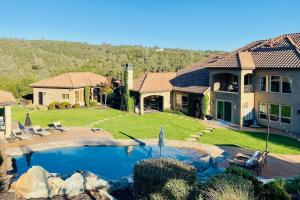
[[278, 165]]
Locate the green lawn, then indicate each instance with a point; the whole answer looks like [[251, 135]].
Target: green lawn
[[147, 126]]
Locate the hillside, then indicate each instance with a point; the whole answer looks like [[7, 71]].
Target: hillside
[[25, 61]]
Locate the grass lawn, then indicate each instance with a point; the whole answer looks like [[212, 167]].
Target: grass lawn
[[147, 126]]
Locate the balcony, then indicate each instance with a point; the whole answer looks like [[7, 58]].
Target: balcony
[[225, 82], [248, 89]]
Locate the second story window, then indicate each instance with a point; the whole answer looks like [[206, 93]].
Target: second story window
[[263, 84], [275, 83], [286, 85]]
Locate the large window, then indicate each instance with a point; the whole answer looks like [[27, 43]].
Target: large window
[[286, 114], [286, 85], [275, 83], [274, 112], [178, 100], [278, 113], [263, 111], [263, 84]]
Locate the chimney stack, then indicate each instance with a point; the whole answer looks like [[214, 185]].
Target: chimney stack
[[129, 75]]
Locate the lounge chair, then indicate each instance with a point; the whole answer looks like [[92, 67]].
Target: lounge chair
[[18, 133], [58, 126], [24, 128], [253, 162], [39, 131]]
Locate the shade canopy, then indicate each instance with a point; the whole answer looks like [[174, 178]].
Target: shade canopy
[[6, 98]]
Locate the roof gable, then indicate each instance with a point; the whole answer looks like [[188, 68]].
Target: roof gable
[[6, 98]]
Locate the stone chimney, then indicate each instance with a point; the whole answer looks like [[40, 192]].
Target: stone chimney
[[129, 74]]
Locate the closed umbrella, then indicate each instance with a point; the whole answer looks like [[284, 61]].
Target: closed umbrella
[[161, 140], [28, 120]]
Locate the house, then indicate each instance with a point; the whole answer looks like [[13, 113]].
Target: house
[[68, 87], [258, 80], [251, 84], [6, 100], [180, 91]]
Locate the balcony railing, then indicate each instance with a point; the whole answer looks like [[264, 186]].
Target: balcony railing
[[218, 87], [248, 88]]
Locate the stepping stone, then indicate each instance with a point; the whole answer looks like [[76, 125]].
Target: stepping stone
[[199, 133], [206, 131], [195, 136], [209, 128], [191, 139]]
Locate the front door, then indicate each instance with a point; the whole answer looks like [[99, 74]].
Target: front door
[[41, 99], [224, 110]]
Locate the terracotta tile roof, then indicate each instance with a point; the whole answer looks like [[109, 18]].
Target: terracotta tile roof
[[154, 82], [279, 52], [6, 98], [71, 80]]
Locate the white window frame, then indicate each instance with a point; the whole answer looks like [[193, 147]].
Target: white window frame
[[279, 110], [280, 116], [64, 96], [260, 83], [286, 117]]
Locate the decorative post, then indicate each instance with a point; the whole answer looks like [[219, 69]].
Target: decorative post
[[7, 120]]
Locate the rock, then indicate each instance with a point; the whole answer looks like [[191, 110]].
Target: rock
[[54, 185], [32, 184], [73, 185], [206, 131], [93, 182], [195, 136]]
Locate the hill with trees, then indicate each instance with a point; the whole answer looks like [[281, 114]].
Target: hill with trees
[[26, 61]]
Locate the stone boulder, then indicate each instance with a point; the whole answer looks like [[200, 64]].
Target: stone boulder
[[93, 182], [73, 185], [32, 184], [54, 185]]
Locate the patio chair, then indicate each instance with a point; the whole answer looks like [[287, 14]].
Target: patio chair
[[58, 126], [18, 133], [1, 122], [24, 128], [39, 131], [253, 162]]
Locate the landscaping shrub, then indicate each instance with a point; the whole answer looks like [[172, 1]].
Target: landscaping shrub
[[87, 94], [150, 176], [76, 105], [204, 106], [66, 105], [275, 190], [178, 189], [245, 174], [293, 186], [94, 103], [53, 105], [225, 189]]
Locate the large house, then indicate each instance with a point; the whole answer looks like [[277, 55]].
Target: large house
[[253, 83], [68, 87]]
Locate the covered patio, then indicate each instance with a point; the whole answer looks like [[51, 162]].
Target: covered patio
[[6, 100]]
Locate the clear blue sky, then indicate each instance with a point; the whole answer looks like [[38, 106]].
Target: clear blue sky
[[192, 24]]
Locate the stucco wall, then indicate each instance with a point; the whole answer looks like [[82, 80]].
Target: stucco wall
[[55, 94], [292, 99]]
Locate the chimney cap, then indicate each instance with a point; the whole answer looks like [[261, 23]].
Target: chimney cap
[[128, 66]]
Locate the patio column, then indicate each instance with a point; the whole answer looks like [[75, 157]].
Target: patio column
[[92, 94], [7, 120], [141, 104]]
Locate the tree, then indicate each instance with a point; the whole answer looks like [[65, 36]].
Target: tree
[[87, 94], [106, 90], [204, 105]]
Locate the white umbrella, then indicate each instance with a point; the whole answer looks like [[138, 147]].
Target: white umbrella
[[161, 140]]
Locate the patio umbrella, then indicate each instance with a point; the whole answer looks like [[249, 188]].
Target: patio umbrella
[[161, 139], [27, 120]]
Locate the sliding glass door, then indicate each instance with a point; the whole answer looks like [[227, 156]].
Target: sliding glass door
[[224, 110]]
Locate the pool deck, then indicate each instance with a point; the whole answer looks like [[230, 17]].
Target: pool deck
[[278, 165]]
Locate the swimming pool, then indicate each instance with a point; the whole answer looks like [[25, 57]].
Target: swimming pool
[[109, 162]]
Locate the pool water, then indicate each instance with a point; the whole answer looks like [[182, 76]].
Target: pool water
[[109, 162]]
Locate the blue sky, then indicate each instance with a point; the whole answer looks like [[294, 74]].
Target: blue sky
[[190, 24]]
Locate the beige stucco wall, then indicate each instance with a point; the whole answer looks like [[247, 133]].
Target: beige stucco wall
[[292, 99], [55, 94], [166, 100], [173, 101]]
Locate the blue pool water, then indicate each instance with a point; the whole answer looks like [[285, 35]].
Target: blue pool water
[[110, 162]]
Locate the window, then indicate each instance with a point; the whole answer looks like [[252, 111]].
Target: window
[[178, 100], [275, 83], [263, 111], [263, 84], [65, 96], [286, 85], [286, 114], [274, 112], [184, 101]]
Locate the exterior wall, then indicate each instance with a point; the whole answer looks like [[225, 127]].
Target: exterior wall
[[55, 94], [173, 98], [292, 99], [226, 96], [166, 100], [7, 120]]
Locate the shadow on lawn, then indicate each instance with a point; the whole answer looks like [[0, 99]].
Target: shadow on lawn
[[133, 138]]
